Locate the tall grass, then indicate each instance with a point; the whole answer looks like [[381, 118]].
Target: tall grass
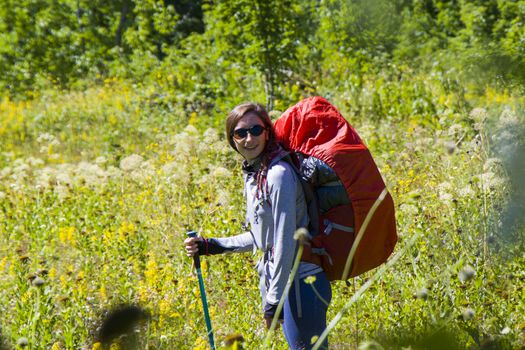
[[97, 189]]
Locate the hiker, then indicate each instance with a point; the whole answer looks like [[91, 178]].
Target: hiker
[[276, 208]]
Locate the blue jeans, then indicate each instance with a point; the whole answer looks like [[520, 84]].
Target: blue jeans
[[300, 330]]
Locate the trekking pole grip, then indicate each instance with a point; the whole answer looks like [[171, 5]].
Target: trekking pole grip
[[196, 259]]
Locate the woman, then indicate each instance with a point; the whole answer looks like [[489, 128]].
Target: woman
[[276, 208]]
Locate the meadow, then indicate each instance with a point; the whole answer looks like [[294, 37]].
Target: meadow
[[112, 148], [99, 186]]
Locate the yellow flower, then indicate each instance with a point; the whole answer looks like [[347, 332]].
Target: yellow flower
[[67, 235], [151, 272], [97, 346], [114, 346], [56, 346]]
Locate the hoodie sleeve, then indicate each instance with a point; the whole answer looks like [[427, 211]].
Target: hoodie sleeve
[[234, 244], [283, 187]]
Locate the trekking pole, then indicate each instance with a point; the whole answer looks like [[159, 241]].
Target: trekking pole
[[197, 262]]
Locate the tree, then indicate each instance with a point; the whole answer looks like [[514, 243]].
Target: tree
[[263, 34]]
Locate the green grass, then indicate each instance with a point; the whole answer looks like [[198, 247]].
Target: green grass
[[98, 188]]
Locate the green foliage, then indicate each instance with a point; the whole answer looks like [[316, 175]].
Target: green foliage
[[112, 147]]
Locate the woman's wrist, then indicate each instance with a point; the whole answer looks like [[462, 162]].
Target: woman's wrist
[[210, 247]]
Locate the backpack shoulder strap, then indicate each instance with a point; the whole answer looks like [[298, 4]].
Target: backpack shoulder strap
[[309, 195]]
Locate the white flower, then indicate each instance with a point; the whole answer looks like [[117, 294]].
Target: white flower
[[131, 162], [62, 192], [190, 129], [92, 174], [63, 176], [490, 180], [169, 168], [220, 172], [445, 197], [46, 177], [492, 164], [34, 162], [113, 172], [507, 119], [409, 209], [146, 169], [5, 172], [466, 191], [478, 114], [444, 192], [223, 197], [184, 144], [101, 160], [210, 135], [455, 129]]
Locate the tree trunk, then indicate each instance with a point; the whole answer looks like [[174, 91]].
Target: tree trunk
[[122, 23]]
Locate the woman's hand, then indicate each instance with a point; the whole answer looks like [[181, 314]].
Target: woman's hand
[[191, 245]]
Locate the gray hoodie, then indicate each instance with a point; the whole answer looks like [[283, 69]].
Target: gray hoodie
[[273, 218]]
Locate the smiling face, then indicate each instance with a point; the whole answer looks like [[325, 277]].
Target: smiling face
[[251, 146]]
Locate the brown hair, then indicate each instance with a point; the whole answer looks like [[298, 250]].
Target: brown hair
[[270, 148], [240, 111]]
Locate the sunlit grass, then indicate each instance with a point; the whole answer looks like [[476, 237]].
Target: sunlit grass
[[97, 189]]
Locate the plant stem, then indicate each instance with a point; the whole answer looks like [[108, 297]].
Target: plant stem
[[361, 291]]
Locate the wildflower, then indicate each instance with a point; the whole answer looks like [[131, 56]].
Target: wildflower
[[492, 164], [220, 172], [313, 340], [422, 294], [505, 330], [22, 342], [370, 345], [34, 162], [97, 346], [131, 162], [466, 191], [190, 129], [310, 280], [56, 346], [467, 314], [467, 273], [223, 197], [478, 114], [301, 235], [38, 282], [113, 172], [101, 160], [210, 136], [183, 143], [67, 235], [455, 129], [409, 209], [508, 119], [92, 174], [489, 180], [450, 146]]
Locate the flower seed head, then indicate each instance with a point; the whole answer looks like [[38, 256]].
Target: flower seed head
[[467, 273], [468, 314], [422, 294], [22, 342], [301, 235], [37, 282]]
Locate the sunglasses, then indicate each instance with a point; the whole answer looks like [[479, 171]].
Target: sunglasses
[[241, 133]]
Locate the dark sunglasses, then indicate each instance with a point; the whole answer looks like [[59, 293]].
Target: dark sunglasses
[[241, 133]]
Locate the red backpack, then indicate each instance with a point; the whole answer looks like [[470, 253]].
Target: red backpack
[[314, 128]]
